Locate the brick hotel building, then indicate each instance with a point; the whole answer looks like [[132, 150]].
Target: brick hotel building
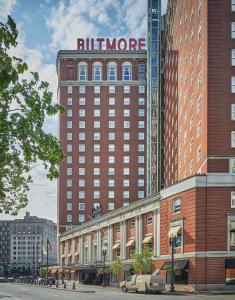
[[103, 132], [197, 201]]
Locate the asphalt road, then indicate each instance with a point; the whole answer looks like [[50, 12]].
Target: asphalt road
[[27, 292]]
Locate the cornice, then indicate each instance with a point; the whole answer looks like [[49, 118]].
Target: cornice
[[101, 83]]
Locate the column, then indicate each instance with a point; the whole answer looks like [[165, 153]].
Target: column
[[110, 243], [123, 241], [99, 245], [140, 233], [73, 250], [66, 251], [158, 232], [137, 234], [89, 250], [81, 249], [60, 253], [154, 232]]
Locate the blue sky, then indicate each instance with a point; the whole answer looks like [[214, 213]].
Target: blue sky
[[47, 26]]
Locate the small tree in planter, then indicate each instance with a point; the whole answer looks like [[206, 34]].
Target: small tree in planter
[[116, 267], [142, 262]]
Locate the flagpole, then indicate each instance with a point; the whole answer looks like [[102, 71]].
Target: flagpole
[[47, 257]]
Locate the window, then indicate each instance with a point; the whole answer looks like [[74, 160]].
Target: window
[[82, 101], [97, 89], [141, 136], [69, 124], [233, 139], [96, 124], [111, 147], [126, 89], [111, 159], [141, 147], [233, 57], [70, 89], [126, 113], [69, 182], [233, 84], [199, 153], [233, 112], [126, 171], [111, 194], [140, 194], [149, 220], [69, 171], [111, 136], [111, 182], [96, 159], [140, 159], [69, 112], [233, 5], [112, 89], [141, 71], [96, 136], [199, 129], [96, 112], [126, 136], [141, 101], [96, 101], [111, 171], [126, 195], [96, 148], [96, 183], [199, 104], [140, 171], [82, 124], [81, 194], [81, 112], [118, 227], [111, 206], [126, 72], [81, 171], [96, 194], [82, 72], [111, 101], [141, 124], [81, 218], [112, 71], [111, 112], [81, 182], [126, 124], [176, 206], [140, 182], [69, 159], [141, 112], [132, 223], [96, 171], [81, 206], [126, 147], [233, 30], [69, 206], [232, 199], [69, 101], [69, 136], [69, 148], [126, 159], [81, 136], [81, 148], [111, 124], [69, 218], [81, 159], [126, 101], [97, 71], [141, 89], [82, 89], [126, 183], [69, 195], [178, 241]]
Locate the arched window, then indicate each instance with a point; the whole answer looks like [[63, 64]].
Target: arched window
[[112, 71], [126, 71], [97, 71], [82, 71], [141, 71]]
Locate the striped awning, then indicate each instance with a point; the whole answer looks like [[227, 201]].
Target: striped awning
[[147, 239], [174, 231], [76, 253], [70, 254], [130, 243], [63, 255], [116, 246]]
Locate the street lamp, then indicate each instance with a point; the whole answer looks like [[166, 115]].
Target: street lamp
[[104, 252], [172, 244]]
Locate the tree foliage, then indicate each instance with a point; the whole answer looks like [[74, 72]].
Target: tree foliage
[[142, 262], [24, 105], [116, 266]]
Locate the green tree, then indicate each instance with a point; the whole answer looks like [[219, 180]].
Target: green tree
[[24, 105], [116, 267], [43, 272], [142, 262]]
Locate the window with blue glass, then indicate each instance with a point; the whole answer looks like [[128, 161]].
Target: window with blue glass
[[82, 72], [126, 72], [97, 72], [112, 72]]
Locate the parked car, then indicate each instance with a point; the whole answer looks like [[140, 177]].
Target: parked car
[[2, 279], [10, 279], [230, 281], [50, 280], [143, 283]]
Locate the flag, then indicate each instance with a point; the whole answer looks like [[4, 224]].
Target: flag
[[49, 246]]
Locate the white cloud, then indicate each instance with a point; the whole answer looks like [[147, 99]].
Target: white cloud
[[6, 8]]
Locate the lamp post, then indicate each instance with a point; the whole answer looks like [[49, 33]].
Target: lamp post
[[104, 252], [172, 244]]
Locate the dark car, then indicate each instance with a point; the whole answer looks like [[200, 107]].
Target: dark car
[[230, 282], [2, 279], [50, 280]]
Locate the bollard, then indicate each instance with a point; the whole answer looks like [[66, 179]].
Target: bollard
[[65, 285], [73, 287], [57, 283]]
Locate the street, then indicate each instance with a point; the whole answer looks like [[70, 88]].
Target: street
[[30, 292]]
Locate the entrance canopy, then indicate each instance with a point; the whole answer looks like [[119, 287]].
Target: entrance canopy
[[181, 265], [230, 263]]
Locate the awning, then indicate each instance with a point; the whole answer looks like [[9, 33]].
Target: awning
[[179, 265], [54, 271], [70, 254], [60, 270], [130, 243], [174, 231], [229, 263], [232, 225], [116, 246], [63, 255], [147, 239], [76, 253]]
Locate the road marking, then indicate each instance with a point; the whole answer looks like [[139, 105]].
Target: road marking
[[53, 295]]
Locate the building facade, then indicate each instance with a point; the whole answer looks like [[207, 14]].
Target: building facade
[[103, 132], [24, 242]]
